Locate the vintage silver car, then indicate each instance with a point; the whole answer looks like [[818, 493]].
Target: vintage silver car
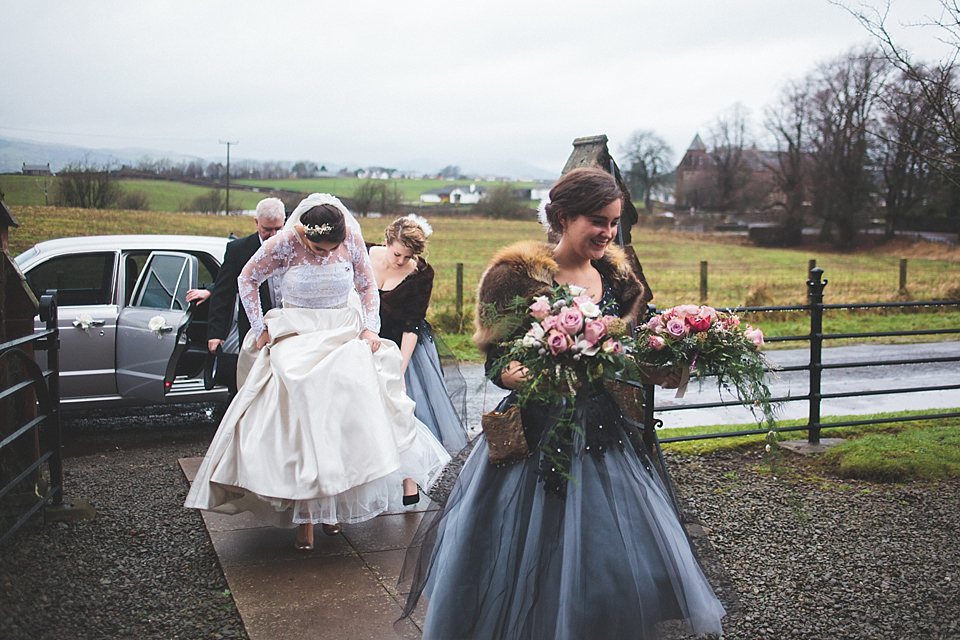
[[127, 334]]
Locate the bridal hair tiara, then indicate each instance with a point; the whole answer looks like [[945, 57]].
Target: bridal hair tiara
[[317, 230]]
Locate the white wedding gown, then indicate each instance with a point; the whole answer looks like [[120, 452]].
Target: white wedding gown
[[320, 430]]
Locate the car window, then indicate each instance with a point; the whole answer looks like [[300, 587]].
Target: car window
[[206, 271], [166, 283], [85, 279]]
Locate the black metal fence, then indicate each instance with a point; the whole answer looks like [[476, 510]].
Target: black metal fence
[[815, 368], [34, 423]]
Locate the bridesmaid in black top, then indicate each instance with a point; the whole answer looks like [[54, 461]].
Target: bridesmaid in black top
[[405, 281]]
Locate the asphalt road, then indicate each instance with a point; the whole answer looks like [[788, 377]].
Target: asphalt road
[[834, 381]]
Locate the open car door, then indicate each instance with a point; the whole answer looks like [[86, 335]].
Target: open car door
[[151, 330]]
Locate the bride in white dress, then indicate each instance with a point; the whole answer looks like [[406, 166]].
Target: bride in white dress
[[320, 429]]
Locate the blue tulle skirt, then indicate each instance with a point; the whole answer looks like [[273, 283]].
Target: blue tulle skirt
[[595, 550], [438, 388]]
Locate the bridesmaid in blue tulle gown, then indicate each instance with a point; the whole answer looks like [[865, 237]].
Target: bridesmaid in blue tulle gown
[[522, 551]]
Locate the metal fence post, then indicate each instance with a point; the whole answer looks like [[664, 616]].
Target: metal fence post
[[703, 282], [815, 286], [51, 428], [459, 293]]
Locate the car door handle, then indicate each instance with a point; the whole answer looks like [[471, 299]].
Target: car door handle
[[93, 323], [165, 329]]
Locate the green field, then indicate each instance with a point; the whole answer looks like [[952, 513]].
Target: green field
[[410, 189], [166, 195], [163, 195]]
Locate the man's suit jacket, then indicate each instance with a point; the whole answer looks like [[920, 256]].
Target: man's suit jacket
[[224, 292]]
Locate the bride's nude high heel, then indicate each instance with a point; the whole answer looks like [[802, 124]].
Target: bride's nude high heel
[[306, 542]]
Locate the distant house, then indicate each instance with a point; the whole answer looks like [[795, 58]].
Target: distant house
[[696, 176], [376, 173], [37, 169], [454, 194]]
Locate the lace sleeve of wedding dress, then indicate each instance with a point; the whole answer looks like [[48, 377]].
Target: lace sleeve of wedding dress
[[363, 279], [272, 257]]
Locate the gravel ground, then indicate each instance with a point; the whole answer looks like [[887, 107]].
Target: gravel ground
[[145, 567], [792, 554]]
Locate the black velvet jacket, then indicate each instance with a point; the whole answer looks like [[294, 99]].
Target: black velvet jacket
[[404, 308]]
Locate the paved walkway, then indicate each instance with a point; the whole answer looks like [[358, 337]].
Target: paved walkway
[[346, 588]]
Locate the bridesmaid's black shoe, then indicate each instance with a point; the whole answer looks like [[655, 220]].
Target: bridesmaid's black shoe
[[413, 499]]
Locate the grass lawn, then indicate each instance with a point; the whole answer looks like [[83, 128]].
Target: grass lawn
[[925, 450]]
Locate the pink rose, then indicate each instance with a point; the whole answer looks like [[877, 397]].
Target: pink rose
[[686, 310], [548, 323], [754, 335], [676, 327], [655, 324], [540, 308], [570, 321], [558, 342], [656, 343], [593, 331]]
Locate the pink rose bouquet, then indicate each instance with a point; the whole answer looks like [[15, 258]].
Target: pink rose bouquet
[[569, 343], [704, 341]]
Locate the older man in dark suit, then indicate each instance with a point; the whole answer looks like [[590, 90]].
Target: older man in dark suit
[[223, 299]]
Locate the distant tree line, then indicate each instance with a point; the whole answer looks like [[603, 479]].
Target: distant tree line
[[870, 134]]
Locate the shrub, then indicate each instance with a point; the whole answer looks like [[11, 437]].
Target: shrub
[[210, 202], [502, 202], [133, 201]]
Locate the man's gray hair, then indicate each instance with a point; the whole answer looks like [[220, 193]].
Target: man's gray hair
[[270, 208]]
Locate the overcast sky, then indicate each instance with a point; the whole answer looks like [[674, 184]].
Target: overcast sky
[[402, 83]]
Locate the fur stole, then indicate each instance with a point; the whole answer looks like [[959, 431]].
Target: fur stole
[[527, 269]]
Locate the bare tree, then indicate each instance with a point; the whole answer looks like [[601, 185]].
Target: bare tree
[[366, 196], [934, 82], [87, 186], [377, 195], [788, 122], [649, 157], [728, 140], [907, 141], [844, 94]]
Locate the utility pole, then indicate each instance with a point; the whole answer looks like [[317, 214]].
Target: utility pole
[[228, 172]]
